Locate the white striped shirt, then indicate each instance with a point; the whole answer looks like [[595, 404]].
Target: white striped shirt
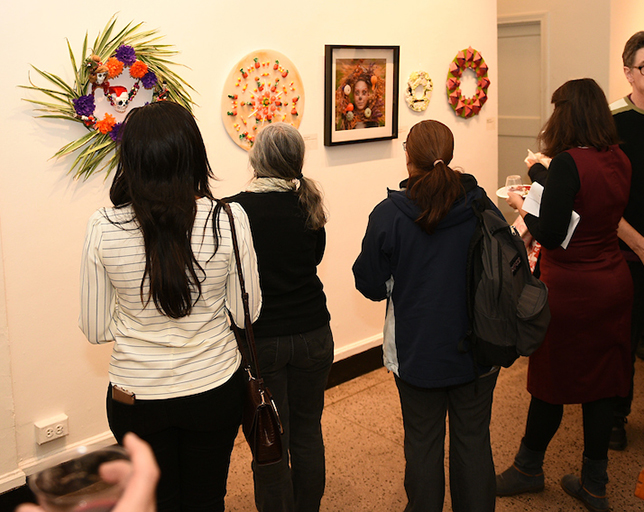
[[156, 356]]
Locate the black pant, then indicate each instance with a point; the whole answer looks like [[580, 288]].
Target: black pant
[[544, 420], [295, 368], [192, 438], [623, 406]]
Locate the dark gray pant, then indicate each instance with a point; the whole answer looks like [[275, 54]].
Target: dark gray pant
[[471, 468], [295, 369]]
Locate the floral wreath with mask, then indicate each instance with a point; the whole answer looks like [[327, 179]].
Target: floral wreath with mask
[[119, 72]]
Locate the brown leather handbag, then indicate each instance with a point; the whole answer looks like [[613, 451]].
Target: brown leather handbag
[[261, 422]]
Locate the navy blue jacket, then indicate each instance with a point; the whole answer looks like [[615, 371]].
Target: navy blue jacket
[[423, 278]]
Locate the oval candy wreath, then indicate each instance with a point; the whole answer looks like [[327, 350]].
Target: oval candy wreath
[[102, 91], [467, 107]]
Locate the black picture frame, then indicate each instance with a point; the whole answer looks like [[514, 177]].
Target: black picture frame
[[351, 74]]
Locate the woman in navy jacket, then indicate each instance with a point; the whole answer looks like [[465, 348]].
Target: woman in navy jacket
[[414, 254]]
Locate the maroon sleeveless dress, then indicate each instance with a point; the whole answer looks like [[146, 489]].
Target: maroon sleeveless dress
[[586, 355]]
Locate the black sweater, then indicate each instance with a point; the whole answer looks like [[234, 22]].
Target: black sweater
[[287, 254], [629, 121]]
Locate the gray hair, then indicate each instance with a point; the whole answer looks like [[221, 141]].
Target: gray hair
[[278, 152]]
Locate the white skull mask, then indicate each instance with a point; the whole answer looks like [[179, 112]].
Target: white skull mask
[[120, 102]]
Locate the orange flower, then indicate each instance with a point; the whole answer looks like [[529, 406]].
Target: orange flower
[[114, 66], [106, 125], [138, 69]]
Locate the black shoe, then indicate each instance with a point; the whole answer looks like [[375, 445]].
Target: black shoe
[[618, 439]]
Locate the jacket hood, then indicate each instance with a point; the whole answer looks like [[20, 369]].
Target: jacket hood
[[460, 212]]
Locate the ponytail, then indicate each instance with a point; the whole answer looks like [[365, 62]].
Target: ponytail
[[435, 192], [433, 185], [310, 199]]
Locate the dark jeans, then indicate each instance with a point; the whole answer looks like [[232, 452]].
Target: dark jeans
[[544, 420], [192, 438], [623, 405], [295, 369], [471, 467]]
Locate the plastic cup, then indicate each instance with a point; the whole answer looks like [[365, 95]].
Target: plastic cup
[[512, 182], [75, 485]]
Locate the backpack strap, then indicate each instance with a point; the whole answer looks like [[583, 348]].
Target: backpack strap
[[478, 205], [468, 342]]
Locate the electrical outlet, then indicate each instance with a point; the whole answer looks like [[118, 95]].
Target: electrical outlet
[[52, 428]]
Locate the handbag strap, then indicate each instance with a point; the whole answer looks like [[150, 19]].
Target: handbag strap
[[251, 355]]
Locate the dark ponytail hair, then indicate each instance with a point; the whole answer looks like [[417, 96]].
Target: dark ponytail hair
[[162, 169], [433, 185]]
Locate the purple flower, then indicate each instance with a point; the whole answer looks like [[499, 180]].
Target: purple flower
[[84, 106], [126, 54], [149, 80], [115, 134]]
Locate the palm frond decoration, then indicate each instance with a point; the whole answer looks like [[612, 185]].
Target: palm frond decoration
[[99, 67]]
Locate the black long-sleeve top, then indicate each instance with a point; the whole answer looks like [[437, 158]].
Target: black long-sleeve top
[[561, 186]]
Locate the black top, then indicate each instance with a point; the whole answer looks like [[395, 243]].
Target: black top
[[561, 187], [629, 121], [287, 255]]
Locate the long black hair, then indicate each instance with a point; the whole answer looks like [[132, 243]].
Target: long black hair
[[162, 170]]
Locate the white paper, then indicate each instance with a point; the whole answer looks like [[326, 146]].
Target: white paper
[[532, 203], [531, 156], [574, 220], [539, 157]]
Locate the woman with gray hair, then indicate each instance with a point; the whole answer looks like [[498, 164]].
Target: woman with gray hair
[[292, 334]]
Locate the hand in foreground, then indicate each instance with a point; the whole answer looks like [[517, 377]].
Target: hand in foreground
[[139, 477], [515, 201]]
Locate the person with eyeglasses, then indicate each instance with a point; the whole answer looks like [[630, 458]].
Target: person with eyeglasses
[[628, 113]]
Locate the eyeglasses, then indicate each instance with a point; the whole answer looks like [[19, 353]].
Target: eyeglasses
[[641, 68], [405, 142]]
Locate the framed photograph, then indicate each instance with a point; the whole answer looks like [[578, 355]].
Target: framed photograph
[[360, 94]]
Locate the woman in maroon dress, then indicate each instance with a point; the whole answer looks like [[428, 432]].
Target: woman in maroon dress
[[585, 357]]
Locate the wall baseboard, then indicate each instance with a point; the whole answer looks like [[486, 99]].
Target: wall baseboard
[[354, 366], [12, 480], [357, 348]]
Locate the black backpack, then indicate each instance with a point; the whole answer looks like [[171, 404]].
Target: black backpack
[[507, 306]]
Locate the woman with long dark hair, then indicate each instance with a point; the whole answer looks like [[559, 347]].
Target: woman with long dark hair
[[585, 357], [158, 274], [292, 335], [414, 255]]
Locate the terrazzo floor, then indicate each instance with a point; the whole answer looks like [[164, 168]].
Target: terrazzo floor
[[363, 431]]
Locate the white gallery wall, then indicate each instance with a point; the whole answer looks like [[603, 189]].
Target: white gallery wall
[[586, 38], [626, 18], [46, 365]]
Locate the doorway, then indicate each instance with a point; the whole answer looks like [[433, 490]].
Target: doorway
[[522, 96]]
